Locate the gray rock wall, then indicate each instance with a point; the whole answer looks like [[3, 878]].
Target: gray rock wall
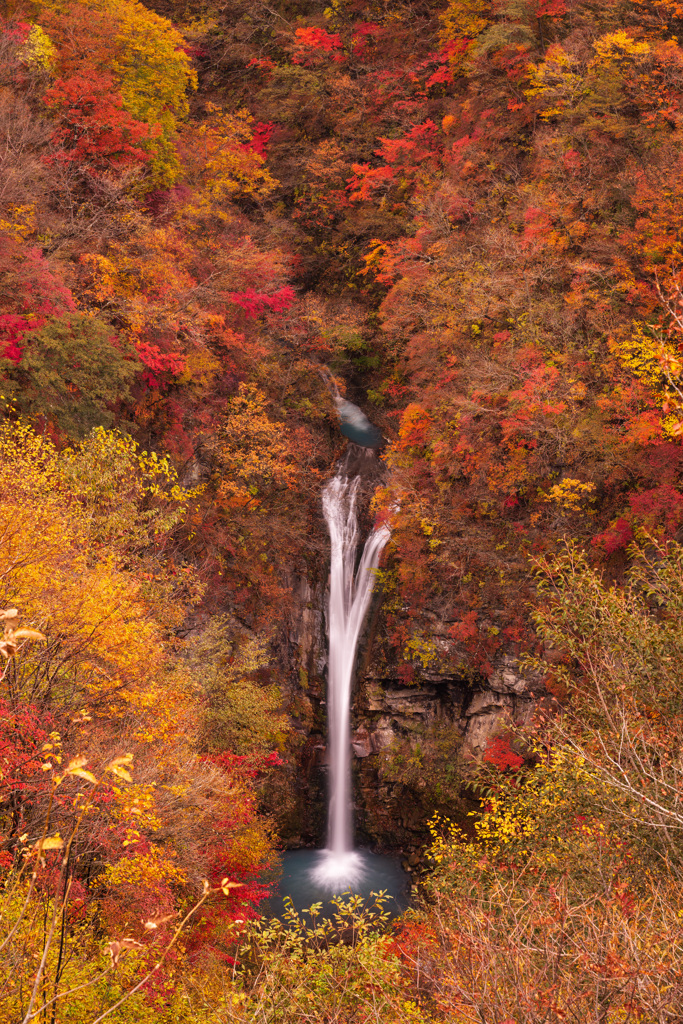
[[409, 741]]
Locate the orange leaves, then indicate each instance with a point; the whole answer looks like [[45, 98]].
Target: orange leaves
[[534, 397], [95, 131], [631, 88], [314, 42], [221, 158], [537, 226], [253, 448], [146, 267], [463, 21], [409, 156], [412, 148], [414, 431], [143, 54], [366, 181], [466, 628], [500, 753], [661, 15], [551, 8], [89, 611], [389, 260], [655, 238], [318, 39]]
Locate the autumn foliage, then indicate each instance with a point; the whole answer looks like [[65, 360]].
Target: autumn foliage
[[470, 213]]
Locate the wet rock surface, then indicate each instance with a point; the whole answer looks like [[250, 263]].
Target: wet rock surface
[[410, 741]]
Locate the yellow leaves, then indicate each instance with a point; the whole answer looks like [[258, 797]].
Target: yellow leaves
[[652, 357], [118, 767], [153, 74], [463, 21], [374, 258], [111, 653], [111, 478], [556, 82], [8, 643], [427, 526], [150, 869], [114, 619], [565, 86], [154, 70], [201, 367], [422, 649], [535, 812], [227, 886], [569, 494], [104, 276], [23, 222], [135, 804], [415, 428], [38, 52], [252, 447], [250, 846], [50, 843], [615, 46], [143, 276], [220, 159], [76, 767]]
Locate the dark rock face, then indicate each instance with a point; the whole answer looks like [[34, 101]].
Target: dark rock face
[[409, 741], [473, 709]]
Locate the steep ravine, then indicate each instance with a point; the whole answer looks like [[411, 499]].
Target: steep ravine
[[410, 741]]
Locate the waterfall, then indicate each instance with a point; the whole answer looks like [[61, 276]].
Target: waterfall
[[349, 599]]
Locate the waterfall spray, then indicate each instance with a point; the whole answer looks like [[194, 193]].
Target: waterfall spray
[[349, 599]]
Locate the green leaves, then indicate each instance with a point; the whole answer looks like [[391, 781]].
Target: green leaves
[[155, 75], [73, 372]]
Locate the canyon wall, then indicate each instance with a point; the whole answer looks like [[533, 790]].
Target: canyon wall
[[411, 742]]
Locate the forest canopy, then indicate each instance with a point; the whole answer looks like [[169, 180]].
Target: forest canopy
[[465, 215]]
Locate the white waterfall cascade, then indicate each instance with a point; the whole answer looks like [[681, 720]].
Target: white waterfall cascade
[[349, 600]]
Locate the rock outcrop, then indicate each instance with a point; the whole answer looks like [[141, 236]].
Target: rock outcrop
[[410, 741]]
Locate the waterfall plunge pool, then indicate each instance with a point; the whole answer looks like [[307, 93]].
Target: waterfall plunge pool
[[316, 876]]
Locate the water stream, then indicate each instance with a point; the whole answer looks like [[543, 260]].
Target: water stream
[[311, 876], [350, 593]]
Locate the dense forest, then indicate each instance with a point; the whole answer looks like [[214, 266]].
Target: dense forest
[[468, 214]]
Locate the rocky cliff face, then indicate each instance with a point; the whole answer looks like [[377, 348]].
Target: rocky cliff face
[[410, 742]]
